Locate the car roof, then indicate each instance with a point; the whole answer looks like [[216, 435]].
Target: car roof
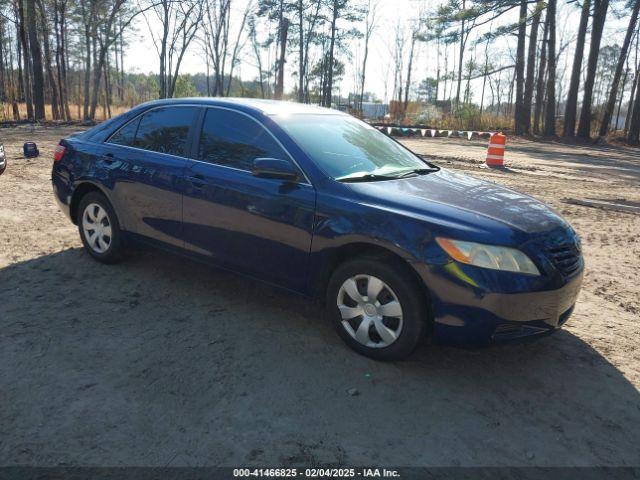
[[255, 106], [258, 105]]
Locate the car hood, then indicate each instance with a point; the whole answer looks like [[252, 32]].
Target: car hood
[[464, 192]]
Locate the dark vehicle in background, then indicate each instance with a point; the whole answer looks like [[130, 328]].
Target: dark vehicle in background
[[3, 159], [319, 203]]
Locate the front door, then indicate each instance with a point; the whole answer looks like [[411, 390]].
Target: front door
[[262, 227]]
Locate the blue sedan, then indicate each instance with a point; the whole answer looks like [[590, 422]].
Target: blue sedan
[[317, 202]]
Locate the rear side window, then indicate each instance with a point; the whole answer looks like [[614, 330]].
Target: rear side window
[[234, 140], [163, 130], [126, 135]]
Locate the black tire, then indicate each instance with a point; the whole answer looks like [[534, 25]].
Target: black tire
[[113, 253], [402, 284]]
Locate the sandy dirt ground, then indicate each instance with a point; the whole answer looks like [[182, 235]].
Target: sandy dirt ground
[[162, 362]]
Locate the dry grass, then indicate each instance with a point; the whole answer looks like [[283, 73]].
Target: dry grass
[[6, 112]]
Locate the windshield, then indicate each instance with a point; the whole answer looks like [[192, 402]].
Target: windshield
[[344, 147]]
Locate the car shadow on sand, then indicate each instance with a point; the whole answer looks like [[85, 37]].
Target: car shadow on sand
[[160, 361]]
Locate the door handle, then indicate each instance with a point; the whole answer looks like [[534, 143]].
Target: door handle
[[108, 158], [196, 180]]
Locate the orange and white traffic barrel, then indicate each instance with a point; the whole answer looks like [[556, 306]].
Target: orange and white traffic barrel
[[495, 152]]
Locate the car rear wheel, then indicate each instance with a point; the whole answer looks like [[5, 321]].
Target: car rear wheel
[[99, 229], [377, 308]]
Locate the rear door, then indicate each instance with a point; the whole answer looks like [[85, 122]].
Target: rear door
[[259, 226], [147, 159]]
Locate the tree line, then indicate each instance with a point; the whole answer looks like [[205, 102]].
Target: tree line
[[65, 59]]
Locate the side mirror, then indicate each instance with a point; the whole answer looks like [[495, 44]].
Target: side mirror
[[275, 168]]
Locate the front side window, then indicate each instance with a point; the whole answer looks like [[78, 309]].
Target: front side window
[[344, 147], [163, 130], [231, 139]]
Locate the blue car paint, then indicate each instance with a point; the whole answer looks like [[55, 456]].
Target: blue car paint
[[259, 226], [289, 234]]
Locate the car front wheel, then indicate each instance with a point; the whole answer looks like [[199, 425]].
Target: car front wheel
[[377, 308], [99, 228]]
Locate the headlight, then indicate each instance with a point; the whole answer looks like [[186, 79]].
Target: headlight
[[488, 256]]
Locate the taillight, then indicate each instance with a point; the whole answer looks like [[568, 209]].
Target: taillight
[[58, 153]]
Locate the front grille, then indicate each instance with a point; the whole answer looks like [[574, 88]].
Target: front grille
[[566, 258], [509, 331], [507, 328]]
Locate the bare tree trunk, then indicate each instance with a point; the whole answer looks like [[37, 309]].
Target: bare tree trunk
[[484, 78], [322, 79], [369, 26], [599, 15], [65, 62], [87, 71], [162, 93], [435, 100], [21, 82], [627, 118], [519, 69], [279, 88], [55, 111], [512, 84], [531, 68], [409, 68], [217, 34], [26, 61], [121, 79], [36, 57], [307, 43], [56, 30], [624, 84], [461, 57], [634, 86], [283, 30], [301, 64], [330, 60], [237, 47], [106, 38], [256, 51], [632, 122], [550, 114], [3, 86], [446, 74], [571, 109], [633, 136], [61, 57], [537, 114], [98, 70], [107, 89], [116, 66], [5, 73], [613, 93], [14, 91]]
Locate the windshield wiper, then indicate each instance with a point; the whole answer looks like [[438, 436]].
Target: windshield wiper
[[367, 177], [372, 177], [417, 171]]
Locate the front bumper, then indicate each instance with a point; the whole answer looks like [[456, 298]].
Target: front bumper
[[477, 307]]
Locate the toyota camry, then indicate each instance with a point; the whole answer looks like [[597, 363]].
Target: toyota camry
[[322, 204]]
